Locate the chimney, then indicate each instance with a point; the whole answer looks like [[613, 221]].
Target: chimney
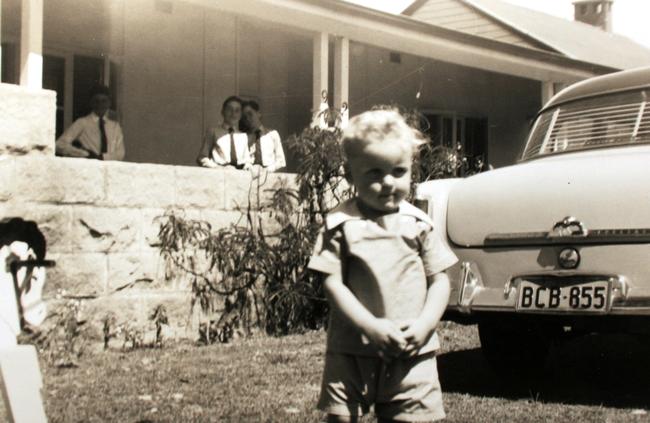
[[594, 12]]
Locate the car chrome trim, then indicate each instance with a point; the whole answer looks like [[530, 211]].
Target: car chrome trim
[[569, 226], [595, 236], [471, 286], [569, 258], [474, 296], [637, 124]]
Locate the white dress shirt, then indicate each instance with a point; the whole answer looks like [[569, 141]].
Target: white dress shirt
[[86, 131], [215, 151], [272, 152]]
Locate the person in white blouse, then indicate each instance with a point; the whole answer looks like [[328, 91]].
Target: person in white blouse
[[265, 145], [94, 136], [226, 145]]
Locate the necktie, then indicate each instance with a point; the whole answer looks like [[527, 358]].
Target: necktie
[[258, 147], [102, 132], [233, 147]]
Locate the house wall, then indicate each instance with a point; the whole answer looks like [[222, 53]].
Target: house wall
[[509, 103], [172, 96], [177, 63]]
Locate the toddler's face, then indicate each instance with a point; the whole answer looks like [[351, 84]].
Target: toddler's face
[[381, 173]]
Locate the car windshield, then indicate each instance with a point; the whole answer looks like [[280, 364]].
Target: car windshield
[[611, 120]]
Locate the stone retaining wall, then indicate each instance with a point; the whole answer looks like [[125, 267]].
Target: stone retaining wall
[[100, 222], [99, 218]]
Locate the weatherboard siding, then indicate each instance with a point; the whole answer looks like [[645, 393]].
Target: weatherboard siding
[[457, 16]]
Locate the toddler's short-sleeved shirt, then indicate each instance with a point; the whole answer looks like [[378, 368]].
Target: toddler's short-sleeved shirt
[[384, 262]]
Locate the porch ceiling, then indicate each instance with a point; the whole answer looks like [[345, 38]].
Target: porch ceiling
[[407, 35]]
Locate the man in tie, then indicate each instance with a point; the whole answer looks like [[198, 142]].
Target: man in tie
[[94, 136], [226, 145], [265, 145]]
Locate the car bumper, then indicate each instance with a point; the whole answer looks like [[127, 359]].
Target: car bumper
[[489, 280]]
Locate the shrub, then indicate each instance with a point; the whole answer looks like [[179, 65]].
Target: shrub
[[244, 276]]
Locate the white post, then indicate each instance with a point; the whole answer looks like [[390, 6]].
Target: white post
[[320, 67], [559, 86], [31, 44], [341, 71], [547, 91]]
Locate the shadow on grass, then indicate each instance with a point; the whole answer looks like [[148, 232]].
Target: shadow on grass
[[608, 370]]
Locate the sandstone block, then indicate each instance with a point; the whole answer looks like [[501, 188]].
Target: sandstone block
[[7, 175], [199, 187], [79, 274], [240, 189], [271, 182], [152, 219], [186, 268], [139, 185], [54, 221], [58, 180], [101, 229], [222, 219], [135, 271], [27, 120]]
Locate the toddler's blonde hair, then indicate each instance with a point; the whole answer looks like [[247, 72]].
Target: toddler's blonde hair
[[379, 126]]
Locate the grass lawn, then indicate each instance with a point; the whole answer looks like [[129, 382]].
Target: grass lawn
[[277, 380]]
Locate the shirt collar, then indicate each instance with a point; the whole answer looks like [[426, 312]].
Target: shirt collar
[[349, 210], [225, 126], [261, 128]]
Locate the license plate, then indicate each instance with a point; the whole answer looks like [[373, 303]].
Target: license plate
[[590, 297]]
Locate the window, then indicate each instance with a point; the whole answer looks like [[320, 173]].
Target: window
[[10, 63], [54, 79], [612, 120], [88, 72], [85, 72], [468, 134]]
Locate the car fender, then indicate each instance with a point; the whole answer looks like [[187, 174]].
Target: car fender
[[436, 193]]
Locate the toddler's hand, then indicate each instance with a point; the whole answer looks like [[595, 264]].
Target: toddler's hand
[[416, 336], [387, 336]]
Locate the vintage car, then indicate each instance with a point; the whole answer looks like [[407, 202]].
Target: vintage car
[[558, 244]]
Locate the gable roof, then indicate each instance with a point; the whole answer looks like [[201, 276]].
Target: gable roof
[[575, 40], [460, 16]]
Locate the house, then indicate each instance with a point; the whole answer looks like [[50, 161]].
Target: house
[[479, 69]]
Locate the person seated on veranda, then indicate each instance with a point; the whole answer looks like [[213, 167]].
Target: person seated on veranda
[[96, 135], [264, 144], [226, 145]]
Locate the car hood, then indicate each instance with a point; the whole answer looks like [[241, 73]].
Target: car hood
[[604, 189]]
